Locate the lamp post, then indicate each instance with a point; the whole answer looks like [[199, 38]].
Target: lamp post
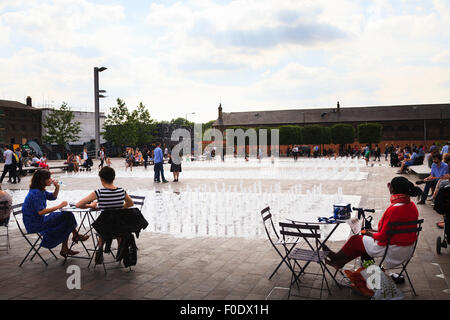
[[188, 114], [97, 96]]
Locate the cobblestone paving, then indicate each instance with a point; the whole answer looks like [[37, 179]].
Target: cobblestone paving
[[211, 268]]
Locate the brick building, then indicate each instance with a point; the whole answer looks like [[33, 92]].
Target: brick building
[[424, 123], [19, 122]]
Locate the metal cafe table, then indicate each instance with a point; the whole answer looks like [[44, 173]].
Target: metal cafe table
[[87, 216]]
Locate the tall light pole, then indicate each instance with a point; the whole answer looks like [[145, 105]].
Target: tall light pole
[[97, 95], [188, 114]]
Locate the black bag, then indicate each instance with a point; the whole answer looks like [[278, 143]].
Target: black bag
[[128, 251]]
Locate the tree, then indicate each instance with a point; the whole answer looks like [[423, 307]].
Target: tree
[[313, 134], [118, 128], [290, 135], [342, 134], [145, 127], [370, 132], [181, 122], [60, 126]]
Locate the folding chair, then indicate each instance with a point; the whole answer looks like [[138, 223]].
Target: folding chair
[[316, 254], [4, 209], [17, 210], [284, 242], [138, 201], [408, 227]]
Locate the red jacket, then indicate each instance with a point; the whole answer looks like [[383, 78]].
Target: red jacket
[[397, 212]]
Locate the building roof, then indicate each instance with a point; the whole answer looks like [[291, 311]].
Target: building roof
[[15, 104], [330, 115]]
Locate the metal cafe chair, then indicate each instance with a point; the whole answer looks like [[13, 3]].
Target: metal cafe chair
[[310, 233], [393, 229], [5, 208], [17, 211], [138, 201], [288, 243]]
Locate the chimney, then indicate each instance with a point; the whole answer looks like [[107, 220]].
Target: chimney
[[220, 111], [29, 101], [338, 107]]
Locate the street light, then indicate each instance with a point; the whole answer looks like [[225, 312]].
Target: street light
[[189, 114], [97, 96]]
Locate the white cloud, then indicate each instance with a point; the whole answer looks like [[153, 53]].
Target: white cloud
[[184, 57]]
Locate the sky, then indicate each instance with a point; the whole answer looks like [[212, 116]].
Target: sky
[[184, 57]]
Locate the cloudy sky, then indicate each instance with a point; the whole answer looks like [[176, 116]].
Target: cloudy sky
[[179, 57]]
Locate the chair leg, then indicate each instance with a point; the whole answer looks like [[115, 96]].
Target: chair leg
[[410, 283]]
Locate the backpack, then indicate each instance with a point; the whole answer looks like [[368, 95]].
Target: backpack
[[15, 159], [128, 251]]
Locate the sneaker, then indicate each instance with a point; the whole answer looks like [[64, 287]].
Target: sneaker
[[421, 202], [397, 279], [420, 182], [99, 257], [165, 181]]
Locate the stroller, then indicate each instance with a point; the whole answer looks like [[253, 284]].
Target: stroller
[[442, 206], [394, 160]]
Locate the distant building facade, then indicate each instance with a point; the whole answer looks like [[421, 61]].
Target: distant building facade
[[424, 123], [87, 125], [19, 122]]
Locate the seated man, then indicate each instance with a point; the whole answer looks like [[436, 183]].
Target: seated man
[[408, 162], [108, 197], [438, 170]]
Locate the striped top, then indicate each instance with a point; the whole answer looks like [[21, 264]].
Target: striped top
[[108, 198]]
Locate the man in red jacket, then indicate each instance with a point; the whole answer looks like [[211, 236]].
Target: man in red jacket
[[373, 243]]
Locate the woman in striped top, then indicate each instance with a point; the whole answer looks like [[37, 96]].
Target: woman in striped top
[[108, 197]]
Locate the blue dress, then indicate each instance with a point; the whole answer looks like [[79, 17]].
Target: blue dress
[[54, 227]]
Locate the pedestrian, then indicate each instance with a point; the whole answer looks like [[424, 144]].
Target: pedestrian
[[145, 155], [9, 166], [386, 152], [102, 157], [174, 167], [20, 163], [159, 164], [377, 153], [129, 159]]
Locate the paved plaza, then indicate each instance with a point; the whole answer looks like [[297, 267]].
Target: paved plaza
[[215, 264]]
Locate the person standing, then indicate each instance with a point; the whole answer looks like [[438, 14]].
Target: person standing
[[102, 157], [145, 155], [159, 164], [20, 162], [9, 166], [174, 168]]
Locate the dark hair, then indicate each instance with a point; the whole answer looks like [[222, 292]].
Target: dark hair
[[401, 185], [107, 174], [437, 155], [38, 179]]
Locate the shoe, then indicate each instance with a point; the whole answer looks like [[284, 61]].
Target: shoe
[[67, 253], [420, 182], [99, 257], [421, 202], [165, 181], [79, 237], [397, 278], [157, 181]]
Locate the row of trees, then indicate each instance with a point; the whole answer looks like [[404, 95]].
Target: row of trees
[[121, 127], [337, 134], [319, 135]]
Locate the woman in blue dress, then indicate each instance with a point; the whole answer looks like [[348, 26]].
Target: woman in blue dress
[[54, 226]]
